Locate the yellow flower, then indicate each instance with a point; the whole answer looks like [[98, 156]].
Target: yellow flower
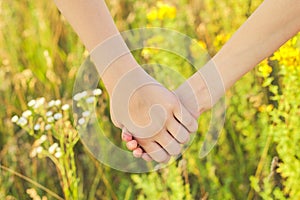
[[220, 40], [152, 15], [265, 69], [202, 44], [162, 11], [265, 108], [166, 11], [288, 54]]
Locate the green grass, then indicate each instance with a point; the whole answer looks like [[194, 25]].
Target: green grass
[[40, 55]]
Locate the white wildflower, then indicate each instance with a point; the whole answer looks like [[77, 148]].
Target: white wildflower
[[33, 153], [26, 113], [97, 92], [14, 119], [47, 127], [65, 107], [90, 100], [31, 103], [37, 127], [80, 95], [49, 114], [57, 116], [83, 94], [58, 154], [42, 139], [22, 121], [86, 113], [58, 102], [51, 103], [77, 97], [53, 148], [81, 121], [41, 101], [50, 119], [39, 149]]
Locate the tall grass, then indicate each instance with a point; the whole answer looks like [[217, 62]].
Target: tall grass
[[257, 156]]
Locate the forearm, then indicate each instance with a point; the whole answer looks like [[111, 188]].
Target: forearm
[[271, 25], [93, 24]]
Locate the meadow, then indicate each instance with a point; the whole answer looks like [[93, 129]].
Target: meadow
[[42, 157]]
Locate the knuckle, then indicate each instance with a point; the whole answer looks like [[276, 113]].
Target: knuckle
[[169, 106], [172, 103]]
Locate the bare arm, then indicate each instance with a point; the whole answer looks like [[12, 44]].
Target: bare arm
[[166, 127], [93, 23], [270, 26]]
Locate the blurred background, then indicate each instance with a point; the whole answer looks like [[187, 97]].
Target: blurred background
[[41, 156]]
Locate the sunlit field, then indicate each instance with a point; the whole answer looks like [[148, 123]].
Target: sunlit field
[[42, 157]]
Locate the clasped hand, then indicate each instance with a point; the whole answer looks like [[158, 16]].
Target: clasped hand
[[152, 114]]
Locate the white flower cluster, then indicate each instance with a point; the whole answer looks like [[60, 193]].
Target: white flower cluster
[[49, 122], [53, 103], [55, 149], [85, 99], [79, 96], [88, 96], [36, 103], [51, 117]]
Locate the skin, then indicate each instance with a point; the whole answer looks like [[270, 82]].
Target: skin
[[93, 23], [269, 27]]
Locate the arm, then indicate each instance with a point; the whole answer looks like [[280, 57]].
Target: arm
[[93, 23], [270, 26], [134, 94]]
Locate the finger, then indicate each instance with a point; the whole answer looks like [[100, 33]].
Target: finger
[[131, 145], [138, 152], [126, 136], [178, 131], [155, 151], [185, 118], [146, 157], [167, 142]]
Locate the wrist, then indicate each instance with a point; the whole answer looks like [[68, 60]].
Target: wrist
[[201, 93], [202, 90], [113, 60], [117, 70]]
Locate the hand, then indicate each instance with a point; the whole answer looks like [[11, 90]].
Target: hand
[[139, 104], [188, 94]]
